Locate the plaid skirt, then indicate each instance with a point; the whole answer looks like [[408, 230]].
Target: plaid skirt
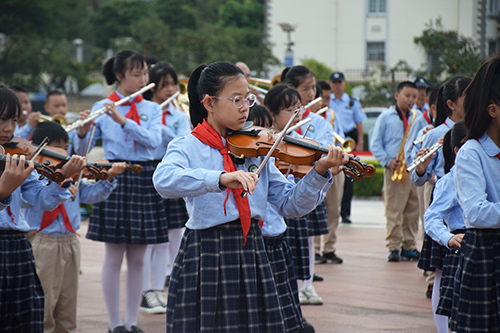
[[432, 254], [176, 212], [476, 304], [280, 258], [450, 264], [296, 237], [133, 213], [219, 285], [21, 294], [316, 221]]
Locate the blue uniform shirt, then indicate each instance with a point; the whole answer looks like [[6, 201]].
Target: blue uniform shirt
[[444, 206], [24, 131], [387, 136], [191, 169], [178, 124], [32, 190], [348, 115], [87, 193], [118, 142], [477, 184], [416, 132], [319, 130]]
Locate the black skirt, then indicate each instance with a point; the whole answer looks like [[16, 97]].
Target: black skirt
[[316, 221], [134, 212], [176, 212], [296, 237], [219, 285], [432, 254], [21, 293]]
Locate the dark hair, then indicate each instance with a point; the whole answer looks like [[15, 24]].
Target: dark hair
[[120, 63], [482, 91], [18, 89], [452, 139], [319, 91], [208, 80], [157, 75], [281, 96], [49, 129], [404, 84], [53, 93], [324, 85], [296, 75], [9, 103], [433, 91], [451, 90], [260, 116]]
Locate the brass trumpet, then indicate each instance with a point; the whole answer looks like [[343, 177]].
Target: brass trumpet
[[261, 81], [58, 118], [348, 144]]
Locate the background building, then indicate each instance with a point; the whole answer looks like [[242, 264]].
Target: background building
[[356, 36]]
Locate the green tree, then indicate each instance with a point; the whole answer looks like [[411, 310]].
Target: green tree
[[448, 53], [320, 70]]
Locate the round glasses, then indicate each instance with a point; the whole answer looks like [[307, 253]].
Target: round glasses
[[238, 101], [301, 109]]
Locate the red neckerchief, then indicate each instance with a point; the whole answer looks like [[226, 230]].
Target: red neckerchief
[[206, 134], [49, 217], [426, 116], [164, 120], [132, 113], [9, 211], [305, 114], [405, 120]]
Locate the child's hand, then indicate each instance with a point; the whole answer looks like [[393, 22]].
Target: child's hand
[[394, 164], [72, 189], [420, 169], [82, 130], [116, 169], [335, 159], [239, 179], [455, 240], [114, 114], [14, 174], [73, 166], [33, 118]]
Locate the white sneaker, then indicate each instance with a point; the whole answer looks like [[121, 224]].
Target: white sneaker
[[312, 296], [162, 297], [150, 303], [303, 298]]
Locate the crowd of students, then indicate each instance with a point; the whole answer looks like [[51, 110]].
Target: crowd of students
[[237, 249]]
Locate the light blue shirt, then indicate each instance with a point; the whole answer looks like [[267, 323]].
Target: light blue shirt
[[416, 131], [118, 142], [425, 107], [477, 182], [24, 131], [275, 224], [191, 169], [319, 130], [387, 136], [436, 165], [444, 206], [178, 124], [34, 191], [87, 193], [348, 116]]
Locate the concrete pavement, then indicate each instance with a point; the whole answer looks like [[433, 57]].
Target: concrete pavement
[[364, 294]]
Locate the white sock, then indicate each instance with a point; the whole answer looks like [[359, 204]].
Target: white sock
[[110, 281], [159, 262], [440, 321], [174, 243], [310, 243], [135, 263], [146, 278]]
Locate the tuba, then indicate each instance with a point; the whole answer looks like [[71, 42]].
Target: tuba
[[400, 174]]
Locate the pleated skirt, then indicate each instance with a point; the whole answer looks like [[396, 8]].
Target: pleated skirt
[[431, 255], [296, 237]]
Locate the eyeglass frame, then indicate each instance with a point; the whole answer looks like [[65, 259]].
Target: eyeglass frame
[[300, 108], [245, 99]]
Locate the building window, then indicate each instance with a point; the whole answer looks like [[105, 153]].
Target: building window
[[375, 52], [492, 47], [494, 6], [377, 6]]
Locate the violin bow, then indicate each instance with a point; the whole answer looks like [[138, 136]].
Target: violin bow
[[273, 148], [87, 150]]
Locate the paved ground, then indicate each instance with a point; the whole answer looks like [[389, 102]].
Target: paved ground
[[364, 294]]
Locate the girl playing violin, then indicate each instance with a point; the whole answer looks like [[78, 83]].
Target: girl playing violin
[[476, 288], [221, 280], [22, 299], [133, 216], [56, 247], [160, 257]]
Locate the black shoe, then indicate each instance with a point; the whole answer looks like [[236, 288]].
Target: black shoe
[[118, 329], [318, 259], [428, 293], [410, 255], [306, 327], [346, 219], [394, 256], [135, 329], [167, 281], [332, 258], [317, 277]]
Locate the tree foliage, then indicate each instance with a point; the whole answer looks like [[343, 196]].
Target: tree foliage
[[448, 52]]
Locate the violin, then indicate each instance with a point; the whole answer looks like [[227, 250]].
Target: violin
[[43, 170], [257, 141]]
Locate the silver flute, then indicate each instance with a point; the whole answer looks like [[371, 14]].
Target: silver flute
[[422, 158], [419, 140]]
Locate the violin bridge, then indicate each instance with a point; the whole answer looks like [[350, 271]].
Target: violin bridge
[[270, 135]]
